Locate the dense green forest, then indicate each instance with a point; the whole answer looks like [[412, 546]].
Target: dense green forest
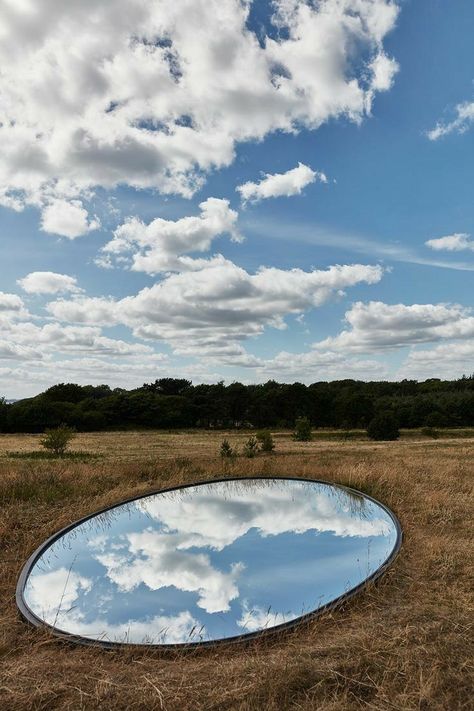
[[175, 403]]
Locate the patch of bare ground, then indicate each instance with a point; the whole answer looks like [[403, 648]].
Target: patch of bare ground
[[404, 643]]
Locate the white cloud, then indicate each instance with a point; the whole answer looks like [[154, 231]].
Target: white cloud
[[11, 304], [160, 629], [16, 351], [159, 246], [54, 597], [318, 365], [48, 283], [171, 88], [54, 338], [151, 558], [217, 306], [456, 242], [377, 326], [449, 360], [463, 121], [68, 219], [280, 184], [256, 618], [213, 519], [383, 70], [52, 594]]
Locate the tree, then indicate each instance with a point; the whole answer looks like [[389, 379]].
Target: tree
[[383, 427], [264, 437], [168, 386], [436, 419], [236, 397], [251, 447], [302, 431], [226, 451], [57, 440], [4, 409]]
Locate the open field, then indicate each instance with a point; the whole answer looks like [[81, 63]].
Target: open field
[[405, 643]]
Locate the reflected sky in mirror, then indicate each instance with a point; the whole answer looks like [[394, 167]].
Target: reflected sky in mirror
[[209, 562]]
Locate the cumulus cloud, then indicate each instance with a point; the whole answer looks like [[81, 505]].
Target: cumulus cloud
[[171, 88], [90, 354], [448, 360], [151, 558], [159, 246], [383, 70], [456, 242], [378, 326], [256, 618], [68, 219], [16, 351], [316, 364], [48, 283], [57, 597], [463, 121], [216, 519], [52, 594], [11, 305], [280, 184], [159, 629], [217, 306]]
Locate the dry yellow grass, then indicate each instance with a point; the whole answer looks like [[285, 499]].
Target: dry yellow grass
[[405, 643]]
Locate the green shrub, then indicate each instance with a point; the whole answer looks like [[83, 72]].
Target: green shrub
[[251, 447], [264, 437], [57, 440], [226, 451], [430, 432], [383, 427], [302, 431]]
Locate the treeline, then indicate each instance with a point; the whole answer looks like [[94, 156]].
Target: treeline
[[171, 403]]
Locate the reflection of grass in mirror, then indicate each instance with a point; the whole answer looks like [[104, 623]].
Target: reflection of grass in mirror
[[58, 611]]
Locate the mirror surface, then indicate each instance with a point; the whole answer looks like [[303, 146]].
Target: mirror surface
[[208, 562]]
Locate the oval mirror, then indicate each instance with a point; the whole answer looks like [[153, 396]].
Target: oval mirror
[[207, 562]]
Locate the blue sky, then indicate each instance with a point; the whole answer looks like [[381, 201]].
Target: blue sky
[[127, 252]]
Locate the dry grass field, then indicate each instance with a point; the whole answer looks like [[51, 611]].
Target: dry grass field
[[404, 643]]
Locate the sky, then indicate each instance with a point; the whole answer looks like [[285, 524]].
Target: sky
[[235, 190]]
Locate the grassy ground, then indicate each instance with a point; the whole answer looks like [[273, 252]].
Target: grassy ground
[[405, 643]]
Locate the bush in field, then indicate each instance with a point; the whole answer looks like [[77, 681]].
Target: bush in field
[[430, 432], [347, 434], [302, 431], [251, 447], [264, 437], [57, 440], [383, 427], [226, 451]]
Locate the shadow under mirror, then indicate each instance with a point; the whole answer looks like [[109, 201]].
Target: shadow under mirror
[[207, 562]]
